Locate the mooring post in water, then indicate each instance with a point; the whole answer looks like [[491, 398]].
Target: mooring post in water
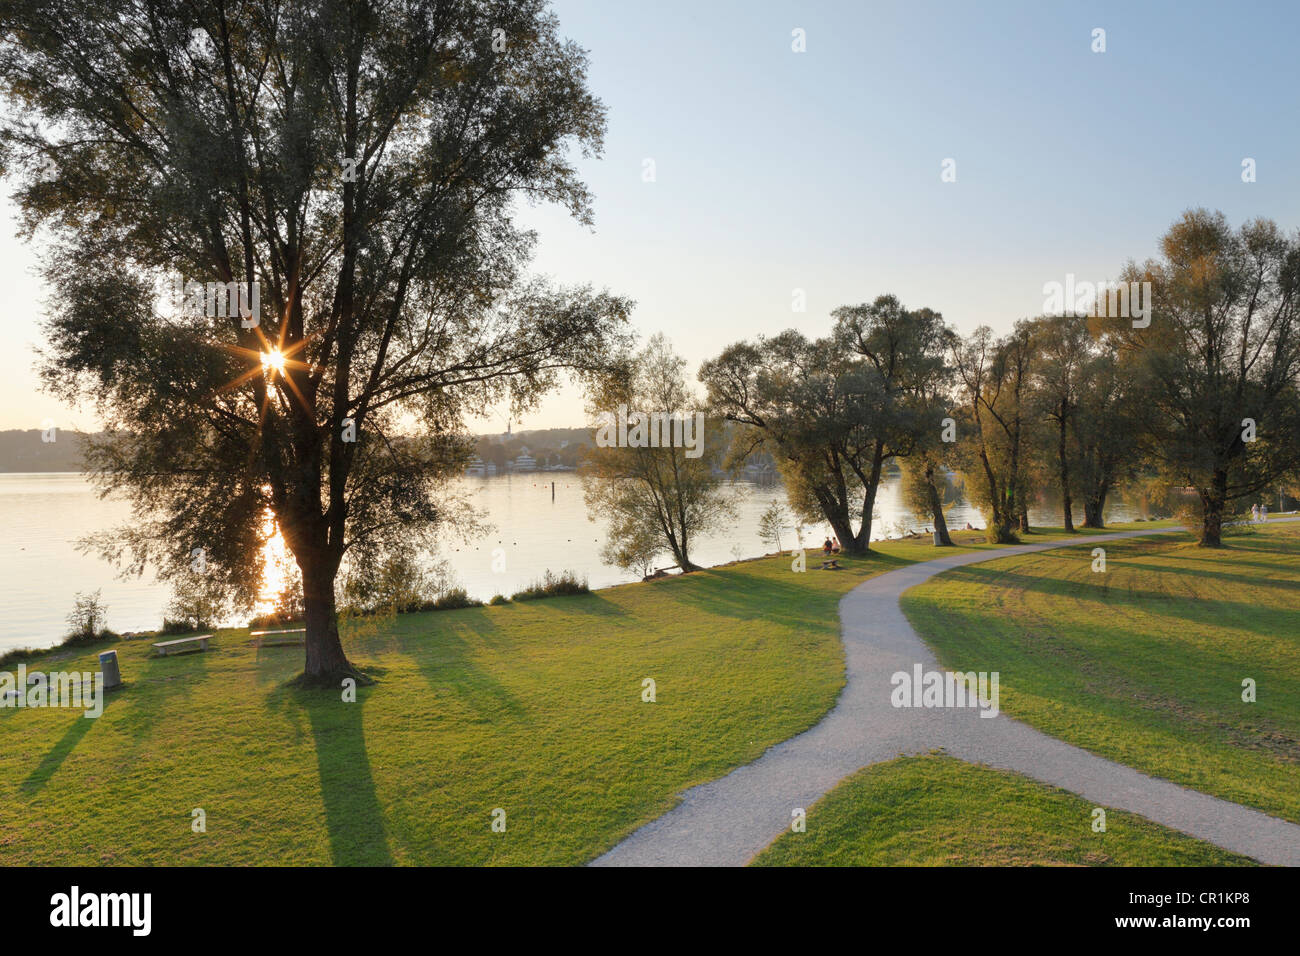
[[552, 491]]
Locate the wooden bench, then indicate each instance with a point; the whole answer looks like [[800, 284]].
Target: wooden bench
[[294, 637], [182, 645]]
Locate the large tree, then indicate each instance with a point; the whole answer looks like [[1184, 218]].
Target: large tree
[[814, 407], [1221, 357], [1104, 450], [835, 411], [906, 352], [1064, 348], [360, 162], [993, 378]]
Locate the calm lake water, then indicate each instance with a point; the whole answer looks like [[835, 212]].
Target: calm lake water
[[44, 514]]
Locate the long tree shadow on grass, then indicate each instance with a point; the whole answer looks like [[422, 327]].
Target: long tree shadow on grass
[[60, 752], [162, 681], [1251, 580], [1114, 674], [1244, 615], [445, 660], [353, 816], [758, 594]]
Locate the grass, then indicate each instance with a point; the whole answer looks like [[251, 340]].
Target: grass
[[1143, 663], [534, 708], [935, 810]]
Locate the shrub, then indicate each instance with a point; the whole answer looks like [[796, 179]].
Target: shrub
[[553, 585], [87, 620], [454, 598], [499, 599], [276, 618], [396, 584], [19, 654]]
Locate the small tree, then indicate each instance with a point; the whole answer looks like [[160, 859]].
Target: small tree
[[633, 546], [770, 524], [88, 616], [398, 583], [668, 493], [198, 602]]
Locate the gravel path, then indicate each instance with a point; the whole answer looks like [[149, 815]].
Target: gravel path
[[728, 821]]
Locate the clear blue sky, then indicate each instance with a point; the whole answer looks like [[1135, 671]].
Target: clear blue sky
[[820, 170]]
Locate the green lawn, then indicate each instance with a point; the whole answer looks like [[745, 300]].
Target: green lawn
[[534, 708], [1143, 663], [938, 811]]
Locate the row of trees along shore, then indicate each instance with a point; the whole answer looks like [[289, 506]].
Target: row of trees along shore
[[1198, 403], [362, 163], [1203, 398]]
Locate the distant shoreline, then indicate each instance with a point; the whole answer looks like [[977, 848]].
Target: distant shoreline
[[34, 451]]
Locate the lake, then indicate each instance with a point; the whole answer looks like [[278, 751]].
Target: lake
[[44, 514]]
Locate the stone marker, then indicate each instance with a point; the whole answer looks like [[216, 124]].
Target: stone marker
[[108, 667]]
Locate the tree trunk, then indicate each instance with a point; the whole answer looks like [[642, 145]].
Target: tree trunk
[[1094, 506], [999, 529], [834, 505], [682, 555], [1002, 528], [862, 542], [1213, 501], [1022, 507], [843, 530], [684, 561], [942, 539], [326, 665], [1064, 460]]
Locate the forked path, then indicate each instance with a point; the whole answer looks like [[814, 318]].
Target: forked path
[[726, 822]]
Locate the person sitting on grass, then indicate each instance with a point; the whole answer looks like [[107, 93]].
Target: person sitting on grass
[[826, 546], [835, 545]]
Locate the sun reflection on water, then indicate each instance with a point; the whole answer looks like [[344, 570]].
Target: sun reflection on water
[[277, 567]]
